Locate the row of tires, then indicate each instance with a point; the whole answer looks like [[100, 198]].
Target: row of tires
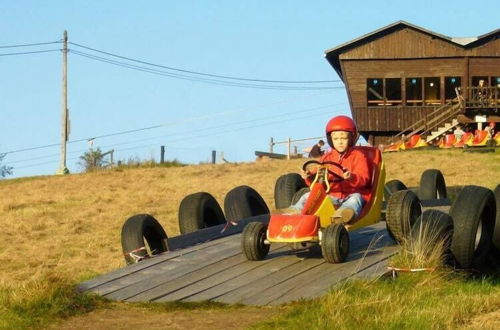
[[142, 235], [471, 229]]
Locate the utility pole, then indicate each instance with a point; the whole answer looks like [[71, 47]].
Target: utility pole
[[64, 106]]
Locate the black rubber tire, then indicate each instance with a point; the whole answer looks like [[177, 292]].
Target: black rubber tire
[[252, 241], [403, 209], [244, 202], [496, 231], [136, 231], [199, 210], [335, 243], [299, 194], [433, 227], [473, 213], [393, 186], [285, 188], [432, 185]]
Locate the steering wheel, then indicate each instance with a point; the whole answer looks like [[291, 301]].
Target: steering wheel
[[322, 166]]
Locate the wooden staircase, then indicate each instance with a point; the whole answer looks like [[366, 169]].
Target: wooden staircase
[[434, 124]]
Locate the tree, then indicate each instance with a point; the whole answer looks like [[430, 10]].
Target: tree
[[92, 160], [4, 170]]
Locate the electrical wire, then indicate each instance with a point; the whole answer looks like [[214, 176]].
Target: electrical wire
[[198, 79], [33, 52], [202, 73], [30, 45], [191, 136]]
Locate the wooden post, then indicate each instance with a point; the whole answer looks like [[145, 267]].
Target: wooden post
[[213, 156], [64, 106], [162, 155], [111, 156], [289, 143], [271, 145]]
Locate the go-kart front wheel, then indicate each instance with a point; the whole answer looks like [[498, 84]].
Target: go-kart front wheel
[[335, 243], [253, 241]]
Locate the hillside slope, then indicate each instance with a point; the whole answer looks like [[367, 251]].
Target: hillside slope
[[71, 224]]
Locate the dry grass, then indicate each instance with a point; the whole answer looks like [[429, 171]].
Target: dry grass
[[68, 227], [72, 223]]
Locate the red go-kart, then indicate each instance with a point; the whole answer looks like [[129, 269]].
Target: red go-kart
[[315, 223]]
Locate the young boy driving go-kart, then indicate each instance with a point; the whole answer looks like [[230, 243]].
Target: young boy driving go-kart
[[350, 194]]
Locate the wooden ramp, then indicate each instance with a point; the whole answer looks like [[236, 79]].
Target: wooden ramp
[[217, 270]]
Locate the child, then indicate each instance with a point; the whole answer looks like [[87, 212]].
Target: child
[[348, 195]]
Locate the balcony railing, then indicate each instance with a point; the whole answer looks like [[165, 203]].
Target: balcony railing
[[480, 97]]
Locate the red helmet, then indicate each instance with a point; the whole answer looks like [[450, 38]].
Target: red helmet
[[341, 123]]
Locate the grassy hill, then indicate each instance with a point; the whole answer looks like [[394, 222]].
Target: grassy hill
[[67, 228]]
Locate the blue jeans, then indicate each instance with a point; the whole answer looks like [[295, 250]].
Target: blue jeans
[[353, 201]]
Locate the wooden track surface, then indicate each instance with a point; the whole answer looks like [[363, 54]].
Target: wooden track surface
[[216, 270]]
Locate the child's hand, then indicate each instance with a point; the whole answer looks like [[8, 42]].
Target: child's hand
[[347, 175]]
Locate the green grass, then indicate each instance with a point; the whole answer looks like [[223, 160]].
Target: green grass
[[414, 301], [43, 302]]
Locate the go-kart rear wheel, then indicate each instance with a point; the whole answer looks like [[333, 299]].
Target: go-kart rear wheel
[[393, 186], [335, 243], [403, 209], [244, 202], [142, 236], [299, 194], [432, 185], [473, 213], [253, 241], [285, 188], [199, 210]]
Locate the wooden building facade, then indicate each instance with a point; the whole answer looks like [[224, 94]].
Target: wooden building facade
[[402, 73]]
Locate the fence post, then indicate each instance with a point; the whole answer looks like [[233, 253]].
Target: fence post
[[271, 144], [289, 143], [162, 155], [213, 156]]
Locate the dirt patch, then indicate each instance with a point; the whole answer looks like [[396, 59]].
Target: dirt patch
[[142, 318], [485, 321]]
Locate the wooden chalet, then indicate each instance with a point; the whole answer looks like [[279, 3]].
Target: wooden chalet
[[403, 79]]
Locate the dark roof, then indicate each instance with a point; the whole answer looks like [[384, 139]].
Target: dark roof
[[332, 54]]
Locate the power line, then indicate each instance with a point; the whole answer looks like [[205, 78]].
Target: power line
[[198, 79], [195, 136], [30, 45], [33, 52], [202, 73]]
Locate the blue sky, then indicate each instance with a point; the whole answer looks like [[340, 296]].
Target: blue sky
[[271, 40]]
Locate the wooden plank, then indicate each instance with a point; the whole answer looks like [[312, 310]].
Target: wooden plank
[[222, 277], [212, 233], [259, 279], [171, 285], [260, 285], [319, 280], [253, 273], [188, 243], [270, 155], [146, 263], [140, 281], [315, 278]]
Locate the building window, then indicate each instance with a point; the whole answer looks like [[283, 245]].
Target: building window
[[393, 91], [375, 91], [475, 81], [432, 90], [450, 83], [414, 91], [495, 81]]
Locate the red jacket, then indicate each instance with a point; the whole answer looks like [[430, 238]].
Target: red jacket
[[355, 161]]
